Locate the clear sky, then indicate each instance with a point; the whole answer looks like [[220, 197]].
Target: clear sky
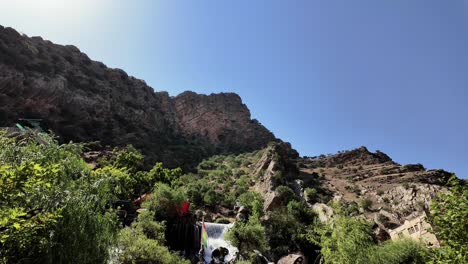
[[324, 75]]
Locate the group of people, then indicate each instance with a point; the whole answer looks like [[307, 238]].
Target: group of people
[[217, 256]]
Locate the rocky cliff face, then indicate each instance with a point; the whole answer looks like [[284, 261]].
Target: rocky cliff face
[[83, 100]]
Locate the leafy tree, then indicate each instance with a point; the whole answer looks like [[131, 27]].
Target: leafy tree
[[47, 201], [160, 174], [143, 243], [448, 216], [82, 233], [119, 181], [345, 242], [248, 236], [349, 240], [210, 198], [397, 252], [164, 202], [283, 231], [128, 158], [285, 194]]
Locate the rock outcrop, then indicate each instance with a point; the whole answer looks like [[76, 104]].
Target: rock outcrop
[[294, 258], [83, 100], [276, 167]]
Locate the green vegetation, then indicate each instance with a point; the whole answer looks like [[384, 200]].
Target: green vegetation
[[365, 204], [55, 208], [349, 240], [143, 242], [448, 217], [48, 198], [249, 235]]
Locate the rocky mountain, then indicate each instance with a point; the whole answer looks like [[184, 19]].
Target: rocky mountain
[[382, 190], [83, 100]]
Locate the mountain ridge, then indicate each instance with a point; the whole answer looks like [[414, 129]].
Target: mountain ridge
[[83, 100]]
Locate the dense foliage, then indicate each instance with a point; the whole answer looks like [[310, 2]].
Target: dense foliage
[[349, 240], [449, 217], [54, 208], [48, 200]]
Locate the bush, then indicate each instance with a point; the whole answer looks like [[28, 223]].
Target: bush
[[310, 194], [285, 194], [247, 237], [248, 199], [119, 182], [50, 209], [283, 230], [448, 214], [350, 240], [365, 204], [396, 252], [160, 174], [211, 198], [135, 247], [128, 158], [164, 202]]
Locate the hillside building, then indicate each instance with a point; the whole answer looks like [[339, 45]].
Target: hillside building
[[417, 229]]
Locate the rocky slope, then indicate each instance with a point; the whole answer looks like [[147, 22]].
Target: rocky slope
[[383, 190], [83, 100]]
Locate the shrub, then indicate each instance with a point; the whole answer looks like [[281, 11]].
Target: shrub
[[164, 202], [160, 174], [247, 237], [311, 194], [128, 158], [118, 181], [211, 198], [47, 200], [350, 241], [285, 194], [365, 204], [135, 247], [448, 217], [248, 199], [396, 252]]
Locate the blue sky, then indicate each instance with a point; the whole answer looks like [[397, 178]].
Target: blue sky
[[324, 75]]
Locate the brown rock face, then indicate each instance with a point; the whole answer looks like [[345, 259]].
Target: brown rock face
[[221, 118], [83, 100], [276, 167]]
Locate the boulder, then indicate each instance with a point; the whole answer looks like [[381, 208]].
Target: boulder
[[295, 258]]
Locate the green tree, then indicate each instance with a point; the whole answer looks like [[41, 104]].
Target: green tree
[[160, 174], [128, 158], [119, 181], [349, 240], [143, 243], [48, 201], [164, 202], [248, 236], [448, 216]]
